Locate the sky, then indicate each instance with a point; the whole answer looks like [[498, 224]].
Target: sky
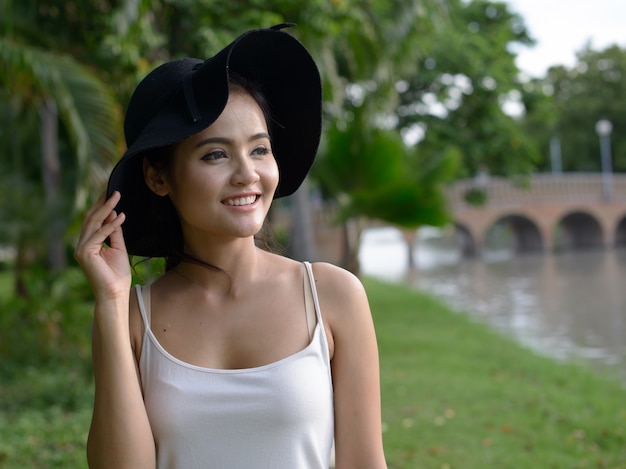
[[563, 27]]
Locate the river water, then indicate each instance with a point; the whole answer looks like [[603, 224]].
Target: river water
[[570, 306]]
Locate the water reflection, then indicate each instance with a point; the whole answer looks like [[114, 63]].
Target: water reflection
[[569, 305]]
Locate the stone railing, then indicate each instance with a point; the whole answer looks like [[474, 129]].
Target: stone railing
[[541, 188]]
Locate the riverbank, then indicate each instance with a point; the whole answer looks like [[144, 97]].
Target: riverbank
[[458, 395], [569, 305], [455, 395]]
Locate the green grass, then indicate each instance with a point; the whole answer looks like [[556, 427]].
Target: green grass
[[455, 395], [44, 415], [458, 395]]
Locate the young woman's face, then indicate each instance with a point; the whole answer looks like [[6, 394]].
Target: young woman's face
[[222, 179]]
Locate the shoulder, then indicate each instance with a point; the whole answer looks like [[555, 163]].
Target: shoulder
[[342, 297], [337, 283]]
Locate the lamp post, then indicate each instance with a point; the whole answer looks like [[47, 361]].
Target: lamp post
[[555, 156], [604, 129]]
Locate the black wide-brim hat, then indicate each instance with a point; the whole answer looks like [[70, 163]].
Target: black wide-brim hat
[[181, 98]]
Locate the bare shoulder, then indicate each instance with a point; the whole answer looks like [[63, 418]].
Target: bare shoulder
[[336, 280], [341, 294]]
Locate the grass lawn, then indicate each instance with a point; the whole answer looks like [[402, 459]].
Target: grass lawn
[[455, 395], [44, 416]]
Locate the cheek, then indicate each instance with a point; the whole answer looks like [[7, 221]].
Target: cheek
[[196, 176], [272, 175], [187, 184]]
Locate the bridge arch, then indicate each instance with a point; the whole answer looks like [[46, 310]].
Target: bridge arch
[[559, 205], [579, 230], [620, 233], [466, 240], [526, 233]]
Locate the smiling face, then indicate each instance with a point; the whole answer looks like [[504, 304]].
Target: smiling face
[[222, 180]]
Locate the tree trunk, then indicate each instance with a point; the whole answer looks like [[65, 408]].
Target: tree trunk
[[410, 236], [301, 243], [51, 175], [352, 229], [22, 263]]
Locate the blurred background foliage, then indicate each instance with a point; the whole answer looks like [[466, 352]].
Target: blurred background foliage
[[417, 94]]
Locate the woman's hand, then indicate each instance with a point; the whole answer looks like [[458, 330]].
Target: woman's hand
[[106, 268]]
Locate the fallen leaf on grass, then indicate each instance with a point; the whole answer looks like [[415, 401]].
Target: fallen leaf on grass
[[435, 450]]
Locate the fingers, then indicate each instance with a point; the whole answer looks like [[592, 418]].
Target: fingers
[[116, 237], [111, 224], [100, 222], [96, 205], [101, 210]]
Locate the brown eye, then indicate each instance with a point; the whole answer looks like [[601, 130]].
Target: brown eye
[[261, 151], [214, 155]]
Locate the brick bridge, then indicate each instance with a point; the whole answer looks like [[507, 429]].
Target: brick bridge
[[548, 212]]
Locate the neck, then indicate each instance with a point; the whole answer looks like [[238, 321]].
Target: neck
[[235, 263]]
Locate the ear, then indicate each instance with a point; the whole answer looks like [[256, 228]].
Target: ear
[[155, 179]]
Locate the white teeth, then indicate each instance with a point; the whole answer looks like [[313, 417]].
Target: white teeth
[[241, 200]]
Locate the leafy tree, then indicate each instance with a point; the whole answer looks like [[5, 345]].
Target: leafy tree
[[53, 164], [373, 174], [441, 69], [59, 133], [464, 75], [567, 103]]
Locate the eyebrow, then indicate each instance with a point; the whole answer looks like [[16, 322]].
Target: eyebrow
[[206, 141]]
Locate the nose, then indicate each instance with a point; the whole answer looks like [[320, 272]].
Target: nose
[[244, 173]]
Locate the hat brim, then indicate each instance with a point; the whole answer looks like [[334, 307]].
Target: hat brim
[[292, 87]]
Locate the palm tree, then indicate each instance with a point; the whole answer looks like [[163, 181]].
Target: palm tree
[[57, 90]]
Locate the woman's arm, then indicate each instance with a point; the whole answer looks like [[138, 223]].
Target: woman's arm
[[355, 369], [120, 434]]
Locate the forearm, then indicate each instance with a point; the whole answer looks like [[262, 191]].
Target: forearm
[[120, 435], [358, 428]]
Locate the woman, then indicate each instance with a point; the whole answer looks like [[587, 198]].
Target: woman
[[235, 357]]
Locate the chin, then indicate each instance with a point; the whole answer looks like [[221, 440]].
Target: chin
[[249, 231]]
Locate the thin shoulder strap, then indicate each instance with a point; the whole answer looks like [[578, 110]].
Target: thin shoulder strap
[[318, 312], [309, 303], [143, 297], [313, 291]]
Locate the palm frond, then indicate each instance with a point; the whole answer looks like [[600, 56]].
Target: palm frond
[[87, 108]]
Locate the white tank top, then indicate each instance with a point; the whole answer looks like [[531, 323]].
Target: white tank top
[[275, 416]]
